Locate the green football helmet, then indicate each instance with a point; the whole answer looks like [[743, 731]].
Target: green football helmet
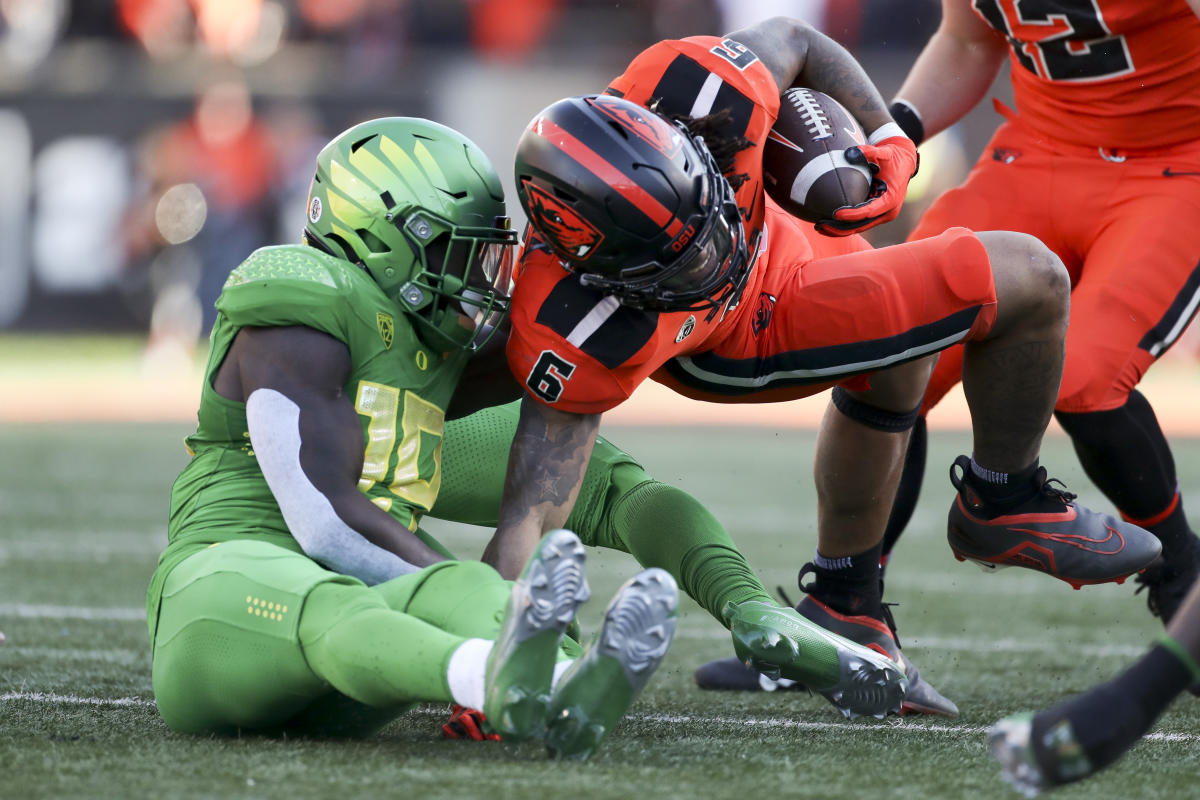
[[421, 209]]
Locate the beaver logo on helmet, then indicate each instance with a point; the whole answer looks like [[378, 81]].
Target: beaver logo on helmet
[[568, 234], [635, 119]]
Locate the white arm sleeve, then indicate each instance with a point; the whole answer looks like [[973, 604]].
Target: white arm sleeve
[[274, 423]]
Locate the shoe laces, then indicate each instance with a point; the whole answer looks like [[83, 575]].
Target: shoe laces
[[885, 608], [1165, 591], [1151, 578], [1047, 488], [1051, 488]]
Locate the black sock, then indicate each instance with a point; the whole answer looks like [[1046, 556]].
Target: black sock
[[1171, 528], [1124, 452], [1112, 717], [850, 584], [1003, 491], [909, 490]]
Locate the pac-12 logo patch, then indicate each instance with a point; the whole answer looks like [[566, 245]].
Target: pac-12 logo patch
[[762, 314], [387, 328], [685, 330], [314, 210], [569, 235]]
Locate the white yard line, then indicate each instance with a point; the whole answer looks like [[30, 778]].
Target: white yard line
[[39, 611], [87, 546], [890, 726], [117, 655], [71, 700]]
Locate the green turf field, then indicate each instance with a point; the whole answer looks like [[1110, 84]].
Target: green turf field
[[82, 516]]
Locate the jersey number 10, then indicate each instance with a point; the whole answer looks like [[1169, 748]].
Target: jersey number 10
[[421, 426]]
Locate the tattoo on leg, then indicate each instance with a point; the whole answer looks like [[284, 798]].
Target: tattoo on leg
[[1011, 391]]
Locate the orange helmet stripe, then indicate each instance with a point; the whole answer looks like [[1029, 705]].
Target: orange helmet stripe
[[592, 161]]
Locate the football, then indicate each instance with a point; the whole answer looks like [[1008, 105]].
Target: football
[[804, 162]]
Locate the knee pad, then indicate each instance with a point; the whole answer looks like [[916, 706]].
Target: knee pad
[[873, 417]]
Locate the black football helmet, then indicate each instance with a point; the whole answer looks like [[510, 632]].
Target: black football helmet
[[633, 204]]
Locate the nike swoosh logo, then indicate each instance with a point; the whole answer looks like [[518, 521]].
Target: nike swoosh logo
[[1082, 542], [1167, 173]]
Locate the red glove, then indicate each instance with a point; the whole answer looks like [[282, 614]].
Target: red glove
[[893, 161], [468, 723]]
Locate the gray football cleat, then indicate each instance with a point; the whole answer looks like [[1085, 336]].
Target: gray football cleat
[[542, 604], [1009, 742], [1049, 532], [596, 691]]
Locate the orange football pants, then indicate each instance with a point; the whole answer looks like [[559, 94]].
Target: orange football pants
[[1127, 226], [831, 311]]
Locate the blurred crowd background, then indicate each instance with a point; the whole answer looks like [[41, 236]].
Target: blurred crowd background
[[150, 145]]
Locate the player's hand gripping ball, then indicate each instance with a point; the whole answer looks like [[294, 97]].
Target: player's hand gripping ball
[[893, 161], [819, 166], [805, 168]]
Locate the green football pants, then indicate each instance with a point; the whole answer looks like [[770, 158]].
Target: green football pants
[[254, 636]]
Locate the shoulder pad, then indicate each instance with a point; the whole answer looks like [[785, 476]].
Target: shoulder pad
[[293, 285]]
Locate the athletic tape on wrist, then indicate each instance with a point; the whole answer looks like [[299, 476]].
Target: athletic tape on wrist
[[909, 119], [879, 419], [1179, 651], [889, 130]]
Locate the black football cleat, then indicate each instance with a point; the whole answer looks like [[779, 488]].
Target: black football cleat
[[879, 635], [1049, 532], [731, 675], [1168, 581]]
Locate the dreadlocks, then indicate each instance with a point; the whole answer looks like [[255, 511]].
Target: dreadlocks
[[724, 148]]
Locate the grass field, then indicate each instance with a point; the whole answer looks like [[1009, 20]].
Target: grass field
[[82, 517]]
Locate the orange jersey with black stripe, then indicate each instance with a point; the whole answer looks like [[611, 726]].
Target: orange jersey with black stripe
[[1117, 74], [581, 350], [702, 75]]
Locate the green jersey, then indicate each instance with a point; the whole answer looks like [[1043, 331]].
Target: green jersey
[[398, 385]]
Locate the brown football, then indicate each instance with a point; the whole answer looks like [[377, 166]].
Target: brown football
[[804, 158]]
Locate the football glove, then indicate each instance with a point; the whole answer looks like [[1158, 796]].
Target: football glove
[[893, 160], [468, 723]]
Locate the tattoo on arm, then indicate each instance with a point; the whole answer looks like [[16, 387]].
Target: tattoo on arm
[[799, 55], [832, 67], [546, 466]]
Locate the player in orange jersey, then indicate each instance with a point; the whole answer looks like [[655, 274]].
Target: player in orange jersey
[[655, 253], [1101, 161]]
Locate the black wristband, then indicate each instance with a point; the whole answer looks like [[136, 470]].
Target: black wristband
[[909, 121]]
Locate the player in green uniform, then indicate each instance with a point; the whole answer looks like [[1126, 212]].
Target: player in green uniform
[[297, 592], [285, 313]]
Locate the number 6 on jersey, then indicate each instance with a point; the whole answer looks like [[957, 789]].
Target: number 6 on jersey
[[548, 375]]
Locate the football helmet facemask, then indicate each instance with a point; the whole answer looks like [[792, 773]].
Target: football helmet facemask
[[421, 209], [633, 204]]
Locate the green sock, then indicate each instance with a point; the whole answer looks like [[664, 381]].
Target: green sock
[[662, 526]]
